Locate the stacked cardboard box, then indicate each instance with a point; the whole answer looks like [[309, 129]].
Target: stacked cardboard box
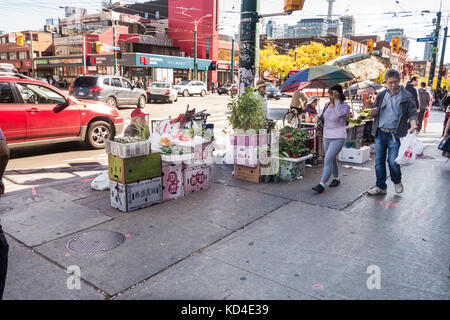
[[135, 182]]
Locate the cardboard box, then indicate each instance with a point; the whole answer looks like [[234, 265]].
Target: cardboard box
[[202, 156], [128, 170], [173, 184], [196, 178], [354, 155], [355, 143], [252, 174], [137, 195], [358, 132]]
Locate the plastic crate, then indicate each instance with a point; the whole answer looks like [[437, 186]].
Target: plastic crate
[[128, 150], [293, 168]]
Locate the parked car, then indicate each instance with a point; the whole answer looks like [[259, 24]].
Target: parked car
[[189, 88], [114, 90], [272, 91], [161, 91], [225, 89], [33, 112]]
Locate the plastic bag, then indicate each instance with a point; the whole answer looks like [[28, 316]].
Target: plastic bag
[[418, 148], [101, 183], [407, 153]]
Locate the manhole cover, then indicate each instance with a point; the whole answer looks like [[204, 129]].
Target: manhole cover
[[95, 242]]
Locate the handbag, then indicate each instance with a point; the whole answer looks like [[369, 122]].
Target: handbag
[[321, 120], [444, 145]]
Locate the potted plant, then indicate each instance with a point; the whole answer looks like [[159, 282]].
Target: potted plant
[[247, 112]]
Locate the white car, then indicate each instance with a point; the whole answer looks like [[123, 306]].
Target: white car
[[161, 91], [189, 88]]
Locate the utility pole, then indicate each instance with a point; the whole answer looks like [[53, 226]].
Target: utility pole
[[232, 60], [32, 55], [114, 43], [444, 43], [434, 54], [195, 50], [249, 44], [84, 54]]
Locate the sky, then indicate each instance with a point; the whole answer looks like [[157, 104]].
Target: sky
[[372, 17]]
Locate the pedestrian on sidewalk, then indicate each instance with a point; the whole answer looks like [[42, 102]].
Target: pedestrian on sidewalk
[[411, 87], [424, 105], [391, 111], [299, 99], [446, 153], [260, 92], [4, 248], [334, 118]]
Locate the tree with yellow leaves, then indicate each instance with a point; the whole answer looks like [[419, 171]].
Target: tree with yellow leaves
[[313, 54]]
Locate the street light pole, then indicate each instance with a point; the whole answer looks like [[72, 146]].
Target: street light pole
[[232, 61], [444, 44], [434, 54]]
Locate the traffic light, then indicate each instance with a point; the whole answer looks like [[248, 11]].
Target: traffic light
[[395, 44], [98, 47], [443, 71], [338, 48], [349, 47], [293, 5], [213, 65], [369, 46], [19, 38]]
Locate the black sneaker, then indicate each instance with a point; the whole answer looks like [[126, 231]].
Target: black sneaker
[[334, 183], [318, 188]]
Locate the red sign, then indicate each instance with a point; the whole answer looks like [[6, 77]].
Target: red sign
[[16, 64]]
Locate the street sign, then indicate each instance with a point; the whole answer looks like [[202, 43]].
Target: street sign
[[114, 48], [429, 39], [434, 50]]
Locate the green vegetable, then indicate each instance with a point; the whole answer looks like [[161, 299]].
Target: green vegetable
[[246, 112]]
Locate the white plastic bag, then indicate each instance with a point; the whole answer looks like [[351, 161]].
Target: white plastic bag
[[101, 183], [418, 148], [407, 152]]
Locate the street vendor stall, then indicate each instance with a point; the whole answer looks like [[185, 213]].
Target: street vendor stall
[[170, 163]]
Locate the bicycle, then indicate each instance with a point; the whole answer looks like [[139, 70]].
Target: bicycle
[[292, 118]]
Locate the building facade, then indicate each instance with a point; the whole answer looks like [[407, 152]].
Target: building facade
[[348, 26], [36, 45], [312, 28]]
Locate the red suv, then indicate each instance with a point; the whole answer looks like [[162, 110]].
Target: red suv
[[33, 112]]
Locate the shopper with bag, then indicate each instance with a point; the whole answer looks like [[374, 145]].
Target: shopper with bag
[[391, 111]]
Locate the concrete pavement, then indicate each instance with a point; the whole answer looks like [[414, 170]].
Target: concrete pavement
[[239, 240]]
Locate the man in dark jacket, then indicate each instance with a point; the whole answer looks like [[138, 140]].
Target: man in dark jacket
[[424, 103], [4, 248], [391, 111], [411, 86]]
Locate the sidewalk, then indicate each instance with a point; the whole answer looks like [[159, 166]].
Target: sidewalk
[[239, 240]]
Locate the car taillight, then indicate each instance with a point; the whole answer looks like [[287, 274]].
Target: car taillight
[[96, 89], [70, 88], [168, 92]]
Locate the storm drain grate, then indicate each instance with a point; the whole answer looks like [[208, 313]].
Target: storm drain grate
[[95, 242]]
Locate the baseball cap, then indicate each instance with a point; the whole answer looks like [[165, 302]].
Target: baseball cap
[[138, 113]]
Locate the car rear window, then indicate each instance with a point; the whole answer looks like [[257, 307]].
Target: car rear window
[[85, 82], [184, 83], [160, 85], [106, 81], [6, 95]]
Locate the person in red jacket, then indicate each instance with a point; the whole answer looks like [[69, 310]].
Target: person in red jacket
[[4, 248]]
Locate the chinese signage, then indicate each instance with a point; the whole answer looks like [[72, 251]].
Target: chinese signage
[[41, 61], [68, 40], [155, 41]]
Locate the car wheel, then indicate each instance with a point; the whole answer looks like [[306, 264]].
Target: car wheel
[[141, 102], [97, 133], [111, 101], [203, 93], [176, 99], [186, 93]]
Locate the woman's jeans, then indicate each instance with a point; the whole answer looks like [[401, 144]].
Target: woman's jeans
[[332, 147], [385, 145], [4, 248]]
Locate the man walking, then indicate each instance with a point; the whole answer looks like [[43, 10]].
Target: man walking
[[299, 99], [424, 103], [411, 86], [4, 248], [391, 111]]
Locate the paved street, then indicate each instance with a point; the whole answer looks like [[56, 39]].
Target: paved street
[[235, 240]]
